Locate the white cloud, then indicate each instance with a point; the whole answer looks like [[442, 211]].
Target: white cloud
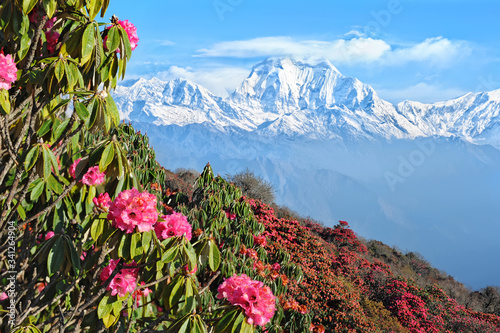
[[221, 81], [341, 50], [421, 92], [435, 51], [439, 51]]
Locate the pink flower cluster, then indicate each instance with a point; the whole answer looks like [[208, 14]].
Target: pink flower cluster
[[141, 293], [102, 201], [174, 225], [124, 282], [132, 209], [8, 71], [131, 31], [51, 35], [92, 177], [72, 168], [260, 240], [253, 296]]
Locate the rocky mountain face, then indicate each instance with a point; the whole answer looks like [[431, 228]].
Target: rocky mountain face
[[297, 99], [423, 177]]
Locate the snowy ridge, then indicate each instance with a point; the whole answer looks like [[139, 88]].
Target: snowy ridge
[[293, 98]]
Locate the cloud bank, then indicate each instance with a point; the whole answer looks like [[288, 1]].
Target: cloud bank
[[438, 51]]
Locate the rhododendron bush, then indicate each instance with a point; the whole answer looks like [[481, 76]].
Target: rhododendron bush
[[94, 237], [91, 238]]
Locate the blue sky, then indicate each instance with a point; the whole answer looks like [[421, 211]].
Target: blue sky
[[424, 50]]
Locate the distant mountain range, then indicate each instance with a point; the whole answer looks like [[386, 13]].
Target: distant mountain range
[[424, 177], [293, 98]]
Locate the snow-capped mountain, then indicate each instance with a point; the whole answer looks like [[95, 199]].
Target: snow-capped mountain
[[424, 177], [294, 98]]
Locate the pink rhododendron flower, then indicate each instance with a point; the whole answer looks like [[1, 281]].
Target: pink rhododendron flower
[[174, 225], [190, 272], [3, 296], [276, 267], [8, 71], [253, 296], [230, 215], [124, 282], [52, 37], [131, 31], [93, 176], [260, 240], [49, 235], [141, 292], [132, 209], [102, 201], [72, 168]]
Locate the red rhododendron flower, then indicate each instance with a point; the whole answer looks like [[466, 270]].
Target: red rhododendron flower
[[132, 209], [72, 168], [253, 296], [174, 225], [131, 31], [260, 240], [123, 282], [102, 201], [93, 176]]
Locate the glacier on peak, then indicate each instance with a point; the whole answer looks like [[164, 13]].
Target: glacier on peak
[[285, 96]]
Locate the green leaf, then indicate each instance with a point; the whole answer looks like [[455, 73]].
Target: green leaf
[[93, 7], [237, 325], [113, 40], [60, 129], [96, 229], [190, 254], [28, 5], [112, 110], [37, 189], [88, 43], [46, 163], [50, 7], [176, 292], [49, 162], [25, 46], [124, 247], [170, 254], [185, 326], [81, 110], [135, 246], [56, 256], [105, 306], [31, 157], [109, 320], [125, 44], [46, 126], [4, 101], [75, 258], [69, 76], [146, 240], [226, 321], [105, 4], [107, 157], [59, 70], [54, 185], [21, 212], [213, 255]]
